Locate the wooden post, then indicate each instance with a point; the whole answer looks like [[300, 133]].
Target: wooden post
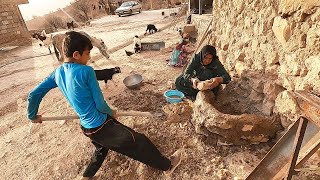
[[200, 8]]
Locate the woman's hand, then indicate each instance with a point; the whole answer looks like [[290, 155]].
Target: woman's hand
[[215, 82], [195, 82]]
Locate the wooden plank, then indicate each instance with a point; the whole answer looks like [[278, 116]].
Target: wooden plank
[[119, 113], [297, 145], [307, 148], [312, 147], [277, 161], [275, 164], [309, 105], [276, 158]]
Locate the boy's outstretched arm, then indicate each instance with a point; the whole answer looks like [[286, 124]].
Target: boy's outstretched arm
[[36, 95], [97, 95]]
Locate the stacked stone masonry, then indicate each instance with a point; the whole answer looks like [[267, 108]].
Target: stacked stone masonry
[[278, 40]]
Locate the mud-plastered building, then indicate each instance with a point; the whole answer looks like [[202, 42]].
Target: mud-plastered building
[[12, 25]]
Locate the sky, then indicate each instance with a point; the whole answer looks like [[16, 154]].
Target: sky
[[41, 7]]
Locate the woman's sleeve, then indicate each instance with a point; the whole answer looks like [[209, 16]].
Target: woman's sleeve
[[97, 95], [191, 69], [223, 73], [36, 95]]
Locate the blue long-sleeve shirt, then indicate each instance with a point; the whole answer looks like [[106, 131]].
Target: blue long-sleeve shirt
[[79, 85]]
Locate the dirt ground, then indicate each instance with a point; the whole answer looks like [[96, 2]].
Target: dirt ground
[[59, 150]]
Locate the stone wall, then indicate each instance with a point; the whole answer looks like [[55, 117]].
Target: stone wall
[[12, 25], [278, 40], [201, 23]]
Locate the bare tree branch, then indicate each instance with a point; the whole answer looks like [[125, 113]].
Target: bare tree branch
[[107, 5], [83, 8], [54, 22]]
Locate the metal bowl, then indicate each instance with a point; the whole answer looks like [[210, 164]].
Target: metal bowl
[[133, 81]]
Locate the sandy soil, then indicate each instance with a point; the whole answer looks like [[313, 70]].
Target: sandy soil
[[58, 150]]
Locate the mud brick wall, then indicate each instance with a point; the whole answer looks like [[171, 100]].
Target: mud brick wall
[[12, 25]]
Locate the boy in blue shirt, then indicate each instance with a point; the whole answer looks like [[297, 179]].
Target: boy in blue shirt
[[78, 83]]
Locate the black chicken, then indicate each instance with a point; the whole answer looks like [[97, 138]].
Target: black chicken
[[128, 53]]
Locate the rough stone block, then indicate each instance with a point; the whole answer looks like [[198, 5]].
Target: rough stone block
[[305, 27], [15, 25], [301, 84], [316, 16], [271, 90], [259, 27], [4, 31], [272, 58], [247, 22], [286, 105], [281, 29], [9, 26], [290, 65], [3, 26], [313, 40], [239, 55], [256, 97], [290, 6], [256, 82], [313, 76], [5, 22], [254, 45], [287, 82], [4, 14], [303, 41], [273, 69], [267, 108], [225, 47], [234, 129]]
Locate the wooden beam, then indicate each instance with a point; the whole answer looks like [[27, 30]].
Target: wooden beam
[[297, 145]]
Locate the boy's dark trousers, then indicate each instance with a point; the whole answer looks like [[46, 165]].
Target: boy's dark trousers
[[117, 137]]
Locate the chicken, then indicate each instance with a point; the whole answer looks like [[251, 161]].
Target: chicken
[[128, 53]]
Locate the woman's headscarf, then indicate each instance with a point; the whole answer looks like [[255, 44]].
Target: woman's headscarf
[[208, 49]]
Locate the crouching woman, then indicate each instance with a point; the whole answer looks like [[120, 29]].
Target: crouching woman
[[204, 68]]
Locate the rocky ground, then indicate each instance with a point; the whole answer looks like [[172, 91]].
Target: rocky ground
[[59, 150]]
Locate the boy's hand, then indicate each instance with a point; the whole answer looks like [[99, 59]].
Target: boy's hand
[[38, 119], [114, 113]]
